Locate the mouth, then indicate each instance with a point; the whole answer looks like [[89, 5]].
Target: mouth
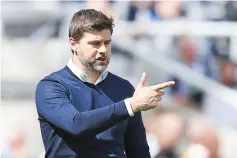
[[101, 59]]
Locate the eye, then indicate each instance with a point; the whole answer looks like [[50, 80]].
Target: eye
[[107, 43], [95, 43]]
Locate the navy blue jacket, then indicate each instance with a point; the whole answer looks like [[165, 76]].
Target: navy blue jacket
[[83, 120]]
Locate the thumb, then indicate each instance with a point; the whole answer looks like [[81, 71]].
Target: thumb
[[142, 80]]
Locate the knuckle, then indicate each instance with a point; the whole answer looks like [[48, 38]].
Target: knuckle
[[161, 92]]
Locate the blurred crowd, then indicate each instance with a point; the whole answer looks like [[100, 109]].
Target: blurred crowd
[[166, 129], [210, 56]]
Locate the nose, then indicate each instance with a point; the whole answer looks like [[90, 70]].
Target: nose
[[102, 49]]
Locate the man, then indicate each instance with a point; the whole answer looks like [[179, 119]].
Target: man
[[86, 111]]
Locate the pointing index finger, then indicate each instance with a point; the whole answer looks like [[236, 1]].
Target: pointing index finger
[[164, 85]]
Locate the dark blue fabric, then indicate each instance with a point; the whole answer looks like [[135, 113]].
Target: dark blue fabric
[[83, 120]]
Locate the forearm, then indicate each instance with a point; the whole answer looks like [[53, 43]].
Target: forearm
[[54, 105], [98, 120]]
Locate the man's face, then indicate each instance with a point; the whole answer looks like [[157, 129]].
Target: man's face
[[94, 49]]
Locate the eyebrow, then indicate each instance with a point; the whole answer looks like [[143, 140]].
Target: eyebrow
[[99, 41]]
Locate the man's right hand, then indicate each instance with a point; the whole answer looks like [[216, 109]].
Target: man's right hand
[[146, 98]]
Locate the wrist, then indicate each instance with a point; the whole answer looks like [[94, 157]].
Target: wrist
[[133, 106]]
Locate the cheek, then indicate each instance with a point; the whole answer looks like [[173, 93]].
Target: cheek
[[108, 51], [88, 52]]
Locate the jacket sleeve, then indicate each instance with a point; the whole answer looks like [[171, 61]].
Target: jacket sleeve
[[136, 145], [54, 105]]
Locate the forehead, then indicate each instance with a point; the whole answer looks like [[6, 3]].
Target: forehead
[[97, 35]]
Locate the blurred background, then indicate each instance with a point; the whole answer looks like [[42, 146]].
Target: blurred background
[[191, 42]]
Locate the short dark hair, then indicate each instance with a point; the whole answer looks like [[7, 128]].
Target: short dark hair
[[89, 19]]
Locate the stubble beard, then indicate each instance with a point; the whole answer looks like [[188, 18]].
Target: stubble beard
[[93, 66]]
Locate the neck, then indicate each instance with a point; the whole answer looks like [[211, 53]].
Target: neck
[[92, 74]]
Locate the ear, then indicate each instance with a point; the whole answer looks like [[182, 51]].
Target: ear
[[73, 43]]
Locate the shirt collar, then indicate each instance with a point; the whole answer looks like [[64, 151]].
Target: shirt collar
[[83, 76]]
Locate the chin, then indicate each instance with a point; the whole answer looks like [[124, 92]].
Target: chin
[[100, 68]]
